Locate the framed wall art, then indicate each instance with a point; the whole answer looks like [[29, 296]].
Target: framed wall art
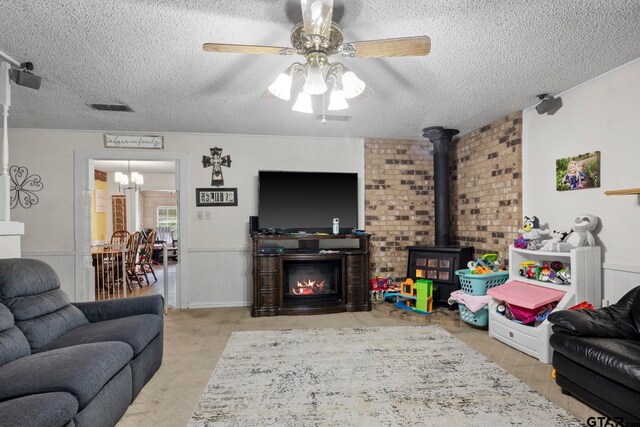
[[216, 197], [578, 172]]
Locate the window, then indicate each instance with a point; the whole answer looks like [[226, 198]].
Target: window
[[168, 217]]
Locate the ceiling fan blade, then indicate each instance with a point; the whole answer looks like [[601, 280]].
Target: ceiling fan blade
[[316, 15], [404, 46], [246, 48]]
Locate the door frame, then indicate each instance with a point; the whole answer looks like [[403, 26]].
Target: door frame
[[83, 190]]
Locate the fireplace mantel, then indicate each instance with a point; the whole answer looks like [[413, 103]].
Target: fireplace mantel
[[269, 267]]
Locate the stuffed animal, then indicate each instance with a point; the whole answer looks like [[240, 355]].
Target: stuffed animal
[[530, 233], [556, 237], [580, 235]]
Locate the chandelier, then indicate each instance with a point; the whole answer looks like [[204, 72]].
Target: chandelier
[[130, 180]]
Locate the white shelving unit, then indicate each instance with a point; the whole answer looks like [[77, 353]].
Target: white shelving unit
[[585, 264]]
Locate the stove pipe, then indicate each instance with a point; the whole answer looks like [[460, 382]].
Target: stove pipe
[[441, 138]]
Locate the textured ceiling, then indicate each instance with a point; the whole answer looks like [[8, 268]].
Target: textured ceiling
[[488, 58]]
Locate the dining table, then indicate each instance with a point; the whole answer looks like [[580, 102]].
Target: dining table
[[108, 263]]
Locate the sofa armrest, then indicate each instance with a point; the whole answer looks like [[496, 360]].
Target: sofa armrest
[[98, 311], [81, 370], [614, 321], [607, 322], [42, 409]]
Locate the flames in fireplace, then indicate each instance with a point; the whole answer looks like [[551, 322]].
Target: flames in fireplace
[[310, 287]]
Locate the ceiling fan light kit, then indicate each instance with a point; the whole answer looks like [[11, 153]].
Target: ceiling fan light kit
[[315, 84], [281, 87], [337, 101], [303, 103], [352, 85], [317, 38]]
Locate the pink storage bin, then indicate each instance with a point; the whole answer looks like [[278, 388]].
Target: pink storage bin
[[525, 295]]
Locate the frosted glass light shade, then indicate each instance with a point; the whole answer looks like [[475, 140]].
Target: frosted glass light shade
[[281, 87], [137, 178], [352, 85], [337, 101], [303, 103], [118, 177], [124, 179], [315, 84]]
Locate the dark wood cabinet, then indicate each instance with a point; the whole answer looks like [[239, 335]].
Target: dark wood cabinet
[[348, 283]]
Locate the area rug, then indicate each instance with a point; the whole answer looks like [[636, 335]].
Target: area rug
[[388, 376]]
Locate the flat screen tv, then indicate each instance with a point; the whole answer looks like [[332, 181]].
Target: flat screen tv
[[291, 202]]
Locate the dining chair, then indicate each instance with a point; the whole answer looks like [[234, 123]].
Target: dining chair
[[133, 247], [120, 237], [145, 262]]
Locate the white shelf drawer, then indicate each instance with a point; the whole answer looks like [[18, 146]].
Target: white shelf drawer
[[532, 340], [508, 334]]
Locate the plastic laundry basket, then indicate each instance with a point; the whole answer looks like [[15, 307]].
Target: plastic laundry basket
[[477, 284], [479, 318]]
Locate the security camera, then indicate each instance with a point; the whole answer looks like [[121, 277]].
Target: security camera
[[549, 104]]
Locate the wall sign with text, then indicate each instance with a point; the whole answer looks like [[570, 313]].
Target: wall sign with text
[[133, 141], [216, 197]]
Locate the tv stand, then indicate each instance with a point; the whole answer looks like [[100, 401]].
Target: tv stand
[[270, 294]]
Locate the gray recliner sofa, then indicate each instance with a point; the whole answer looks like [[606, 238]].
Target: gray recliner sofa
[[64, 364]]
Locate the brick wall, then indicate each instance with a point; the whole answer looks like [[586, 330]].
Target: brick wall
[[486, 186], [486, 193]]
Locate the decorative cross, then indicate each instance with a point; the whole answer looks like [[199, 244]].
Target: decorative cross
[[217, 161]]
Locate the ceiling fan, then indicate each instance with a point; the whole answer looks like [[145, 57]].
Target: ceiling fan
[[317, 38]]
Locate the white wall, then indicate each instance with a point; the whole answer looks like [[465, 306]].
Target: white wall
[[219, 270], [600, 115]]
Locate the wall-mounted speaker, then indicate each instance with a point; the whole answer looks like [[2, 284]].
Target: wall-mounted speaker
[[253, 225], [25, 78]]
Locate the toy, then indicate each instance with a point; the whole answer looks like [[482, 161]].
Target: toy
[[545, 273], [556, 237], [563, 277], [583, 305], [580, 236], [417, 297], [524, 267], [530, 233], [485, 265], [392, 287], [530, 271], [424, 295], [406, 288], [378, 288]]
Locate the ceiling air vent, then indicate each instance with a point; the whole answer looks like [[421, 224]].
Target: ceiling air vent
[[111, 107]]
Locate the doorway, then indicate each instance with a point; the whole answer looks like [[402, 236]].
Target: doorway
[[138, 196], [84, 164]]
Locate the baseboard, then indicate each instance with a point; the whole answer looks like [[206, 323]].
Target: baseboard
[[219, 304]]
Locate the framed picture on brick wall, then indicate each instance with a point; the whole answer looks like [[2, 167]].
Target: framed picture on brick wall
[[578, 172]]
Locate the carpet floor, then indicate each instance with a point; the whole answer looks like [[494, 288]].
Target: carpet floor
[[374, 376]]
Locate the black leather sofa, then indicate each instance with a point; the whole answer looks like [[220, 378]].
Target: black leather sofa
[[597, 356], [64, 364]]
